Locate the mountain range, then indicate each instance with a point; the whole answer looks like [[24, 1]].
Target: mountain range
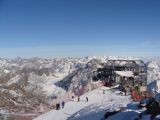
[[25, 84]]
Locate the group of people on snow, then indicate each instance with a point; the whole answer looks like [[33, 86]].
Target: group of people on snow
[[58, 105], [78, 99]]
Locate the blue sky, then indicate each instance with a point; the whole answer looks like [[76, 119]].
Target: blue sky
[[76, 28]]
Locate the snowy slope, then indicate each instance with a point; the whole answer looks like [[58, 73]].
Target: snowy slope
[[42, 79], [153, 70], [94, 109]]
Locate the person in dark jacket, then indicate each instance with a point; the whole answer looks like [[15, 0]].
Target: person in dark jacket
[[78, 98], [86, 99], [58, 106], [63, 104], [72, 96]]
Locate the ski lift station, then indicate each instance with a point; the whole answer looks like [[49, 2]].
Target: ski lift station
[[127, 72]]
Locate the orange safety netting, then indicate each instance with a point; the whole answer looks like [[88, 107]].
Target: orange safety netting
[[136, 96]]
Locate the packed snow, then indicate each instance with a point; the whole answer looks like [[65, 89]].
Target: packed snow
[[94, 109]]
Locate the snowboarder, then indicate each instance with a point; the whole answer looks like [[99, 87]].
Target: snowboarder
[[63, 104], [78, 98], [86, 99]]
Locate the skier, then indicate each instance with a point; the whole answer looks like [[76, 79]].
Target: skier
[[63, 104], [86, 99]]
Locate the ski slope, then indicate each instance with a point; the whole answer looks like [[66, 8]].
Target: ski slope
[[94, 109]]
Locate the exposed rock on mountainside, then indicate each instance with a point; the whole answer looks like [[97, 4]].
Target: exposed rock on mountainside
[[27, 83]]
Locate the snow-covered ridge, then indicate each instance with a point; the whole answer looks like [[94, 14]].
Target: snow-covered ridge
[[48, 78]]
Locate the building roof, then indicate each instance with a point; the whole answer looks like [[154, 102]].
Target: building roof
[[125, 73]]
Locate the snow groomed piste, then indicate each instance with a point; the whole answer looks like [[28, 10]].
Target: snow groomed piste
[[105, 104], [97, 105]]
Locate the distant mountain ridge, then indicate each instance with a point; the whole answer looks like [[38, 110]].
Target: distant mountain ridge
[[30, 82]]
